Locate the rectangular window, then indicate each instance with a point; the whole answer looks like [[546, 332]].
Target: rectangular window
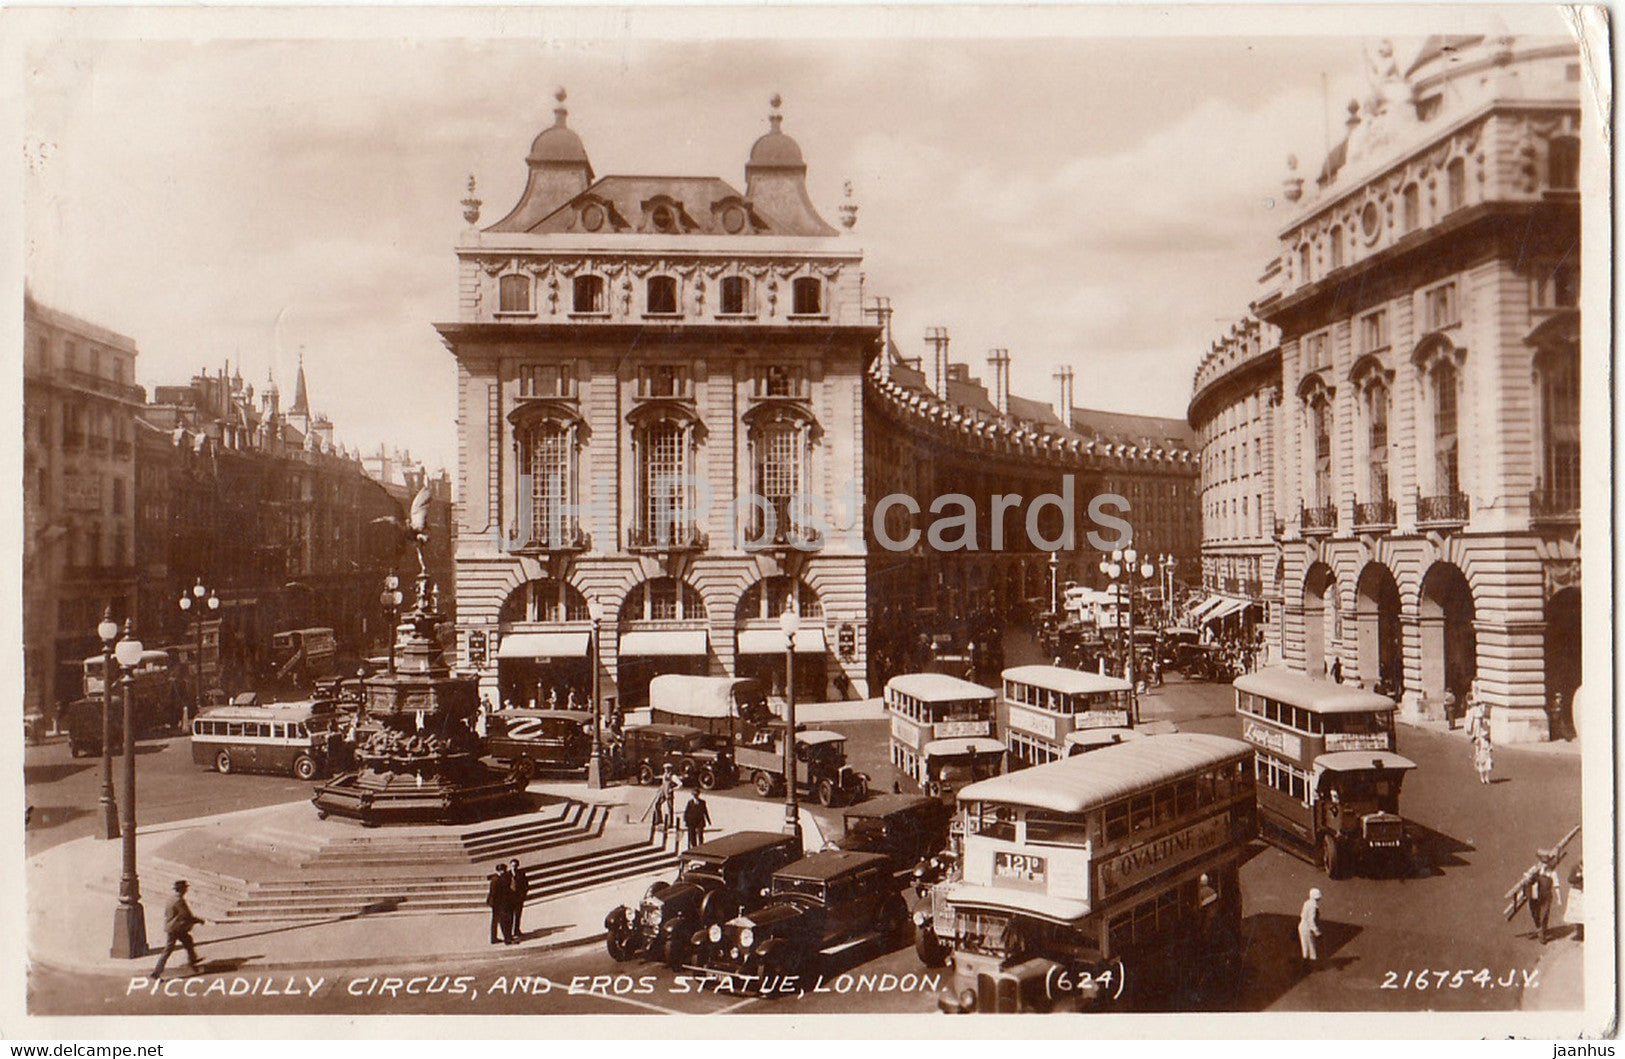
[[513, 294], [546, 380], [1374, 331], [1317, 351], [1439, 308], [665, 380], [587, 295], [779, 380], [1456, 184], [662, 295], [735, 296]]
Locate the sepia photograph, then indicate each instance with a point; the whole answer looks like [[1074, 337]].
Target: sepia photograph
[[898, 514]]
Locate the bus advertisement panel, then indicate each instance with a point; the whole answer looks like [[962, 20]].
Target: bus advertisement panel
[[1327, 768], [942, 730], [1042, 705], [1094, 876]]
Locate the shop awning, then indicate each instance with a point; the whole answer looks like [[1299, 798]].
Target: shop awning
[[544, 645], [1204, 607], [667, 643], [1225, 609], [771, 642]]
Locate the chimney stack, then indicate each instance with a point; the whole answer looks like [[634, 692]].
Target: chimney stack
[[937, 377], [882, 312], [999, 361], [1064, 412]]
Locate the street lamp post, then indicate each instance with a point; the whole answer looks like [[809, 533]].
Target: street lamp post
[[1054, 571], [203, 601], [108, 631], [789, 623], [392, 600], [1121, 569], [595, 764], [130, 920]]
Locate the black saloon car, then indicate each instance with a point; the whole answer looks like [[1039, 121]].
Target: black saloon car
[[530, 740], [906, 827], [829, 901], [645, 748], [715, 882]]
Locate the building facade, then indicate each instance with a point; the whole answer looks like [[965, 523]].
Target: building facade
[[659, 422], [1235, 413], [1429, 445], [933, 431], [79, 412]]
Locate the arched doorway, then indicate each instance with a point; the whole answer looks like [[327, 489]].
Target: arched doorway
[[1563, 660], [1320, 621], [543, 640], [1378, 640], [1449, 645], [759, 642], [662, 630]]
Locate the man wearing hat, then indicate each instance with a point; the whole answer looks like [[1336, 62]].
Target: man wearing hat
[[178, 924], [1309, 927], [1543, 892]]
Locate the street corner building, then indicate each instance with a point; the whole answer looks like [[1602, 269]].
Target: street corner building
[[660, 381], [1391, 440]]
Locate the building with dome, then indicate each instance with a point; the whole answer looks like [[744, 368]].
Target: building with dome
[[1425, 320], [634, 355]]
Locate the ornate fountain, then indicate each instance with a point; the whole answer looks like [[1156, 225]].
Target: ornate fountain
[[419, 761]]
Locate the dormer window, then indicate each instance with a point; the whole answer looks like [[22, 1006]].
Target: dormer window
[[662, 296], [513, 294], [807, 297], [735, 296], [588, 295]]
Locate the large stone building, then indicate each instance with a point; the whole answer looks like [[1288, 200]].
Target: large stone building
[[633, 354], [1428, 459], [933, 430], [79, 409]]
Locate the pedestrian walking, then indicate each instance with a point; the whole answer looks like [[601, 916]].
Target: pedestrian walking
[[520, 885], [498, 896], [178, 924], [1337, 671], [1483, 756], [696, 817], [1544, 891], [1309, 928]]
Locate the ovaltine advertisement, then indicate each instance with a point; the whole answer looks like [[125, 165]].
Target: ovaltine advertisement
[[586, 511], [1170, 851]]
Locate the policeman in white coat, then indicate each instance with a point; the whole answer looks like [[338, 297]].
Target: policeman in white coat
[[1309, 927]]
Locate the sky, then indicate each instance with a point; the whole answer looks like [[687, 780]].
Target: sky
[[1095, 191]]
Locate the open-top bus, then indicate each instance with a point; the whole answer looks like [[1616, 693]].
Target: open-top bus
[[1042, 705], [1328, 773], [942, 730], [1114, 870]]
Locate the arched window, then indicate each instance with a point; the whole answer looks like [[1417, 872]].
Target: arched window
[[664, 456], [513, 294], [779, 449], [767, 599], [808, 296], [1375, 404], [1412, 208], [662, 295], [1563, 163], [1445, 382], [1320, 432], [1335, 238], [735, 296], [544, 600], [1306, 259], [588, 295], [1559, 374], [547, 484], [663, 599]]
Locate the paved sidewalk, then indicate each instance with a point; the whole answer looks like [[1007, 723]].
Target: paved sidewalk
[[1561, 747], [73, 891]]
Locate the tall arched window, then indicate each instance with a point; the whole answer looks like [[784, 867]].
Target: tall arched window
[[1446, 402], [1320, 421], [1559, 373], [779, 453], [547, 492], [664, 456], [662, 599], [1376, 440]]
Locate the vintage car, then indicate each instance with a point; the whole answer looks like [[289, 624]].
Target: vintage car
[[821, 767], [646, 748], [531, 740], [822, 904], [908, 828], [932, 880], [716, 881]]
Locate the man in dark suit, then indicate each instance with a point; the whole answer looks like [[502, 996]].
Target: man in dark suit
[[521, 887], [178, 924], [498, 897], [696, 816]]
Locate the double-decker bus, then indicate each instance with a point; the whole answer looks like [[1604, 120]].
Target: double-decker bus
[[158, 703], [1328, 774], [1042, 705], [942, 730], [1109, 873]]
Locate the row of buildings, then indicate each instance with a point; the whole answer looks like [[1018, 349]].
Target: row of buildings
[[680, 413], [130, 502], [1390, 440]]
